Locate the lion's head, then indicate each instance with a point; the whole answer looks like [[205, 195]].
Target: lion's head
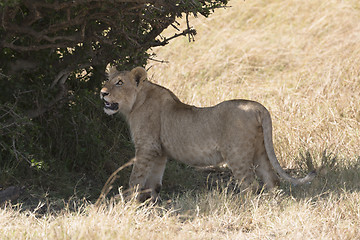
[[120, 91]]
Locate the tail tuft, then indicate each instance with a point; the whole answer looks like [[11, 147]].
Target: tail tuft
[[311, 175]]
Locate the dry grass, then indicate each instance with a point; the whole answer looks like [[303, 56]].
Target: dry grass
[[301, 59], [211, 215], [298, 58]]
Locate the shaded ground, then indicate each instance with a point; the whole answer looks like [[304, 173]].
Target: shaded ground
[[334, 177]]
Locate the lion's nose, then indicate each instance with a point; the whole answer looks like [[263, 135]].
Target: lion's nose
[[104, 93]]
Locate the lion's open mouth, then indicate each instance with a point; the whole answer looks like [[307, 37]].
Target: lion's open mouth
[[111, 106]]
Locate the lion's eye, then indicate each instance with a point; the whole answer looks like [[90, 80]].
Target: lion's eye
[[119, 83]]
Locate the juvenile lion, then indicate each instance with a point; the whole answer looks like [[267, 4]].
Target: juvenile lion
[[236, 132]]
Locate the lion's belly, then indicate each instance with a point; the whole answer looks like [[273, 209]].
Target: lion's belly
[[193, 149], [195, 155]]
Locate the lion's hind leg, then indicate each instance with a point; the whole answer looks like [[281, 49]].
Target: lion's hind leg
[[264, 170], [241, 164]]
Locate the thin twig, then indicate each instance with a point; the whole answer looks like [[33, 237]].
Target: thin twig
[[107, 187], [156, 60], [4, 76], [166, 40], [188, 25], [175, 27]]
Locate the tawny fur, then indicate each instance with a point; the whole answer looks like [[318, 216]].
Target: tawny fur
[[236, 132]]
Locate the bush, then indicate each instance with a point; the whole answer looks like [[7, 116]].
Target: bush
[[52, 60]]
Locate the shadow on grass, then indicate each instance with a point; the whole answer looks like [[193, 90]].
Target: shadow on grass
[[335, 175]]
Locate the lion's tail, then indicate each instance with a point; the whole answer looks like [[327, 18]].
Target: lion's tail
[[267, 131]]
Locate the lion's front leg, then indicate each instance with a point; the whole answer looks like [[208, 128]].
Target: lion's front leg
[[139, 175], [154, 180], [146, 175]]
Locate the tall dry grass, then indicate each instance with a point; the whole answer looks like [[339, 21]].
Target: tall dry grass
[[210, 215], [301, 59]]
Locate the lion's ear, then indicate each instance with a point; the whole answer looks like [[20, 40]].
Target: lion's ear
[[111, 71], [140, 75]]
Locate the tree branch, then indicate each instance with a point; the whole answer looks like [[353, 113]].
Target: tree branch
[[166, 40]]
